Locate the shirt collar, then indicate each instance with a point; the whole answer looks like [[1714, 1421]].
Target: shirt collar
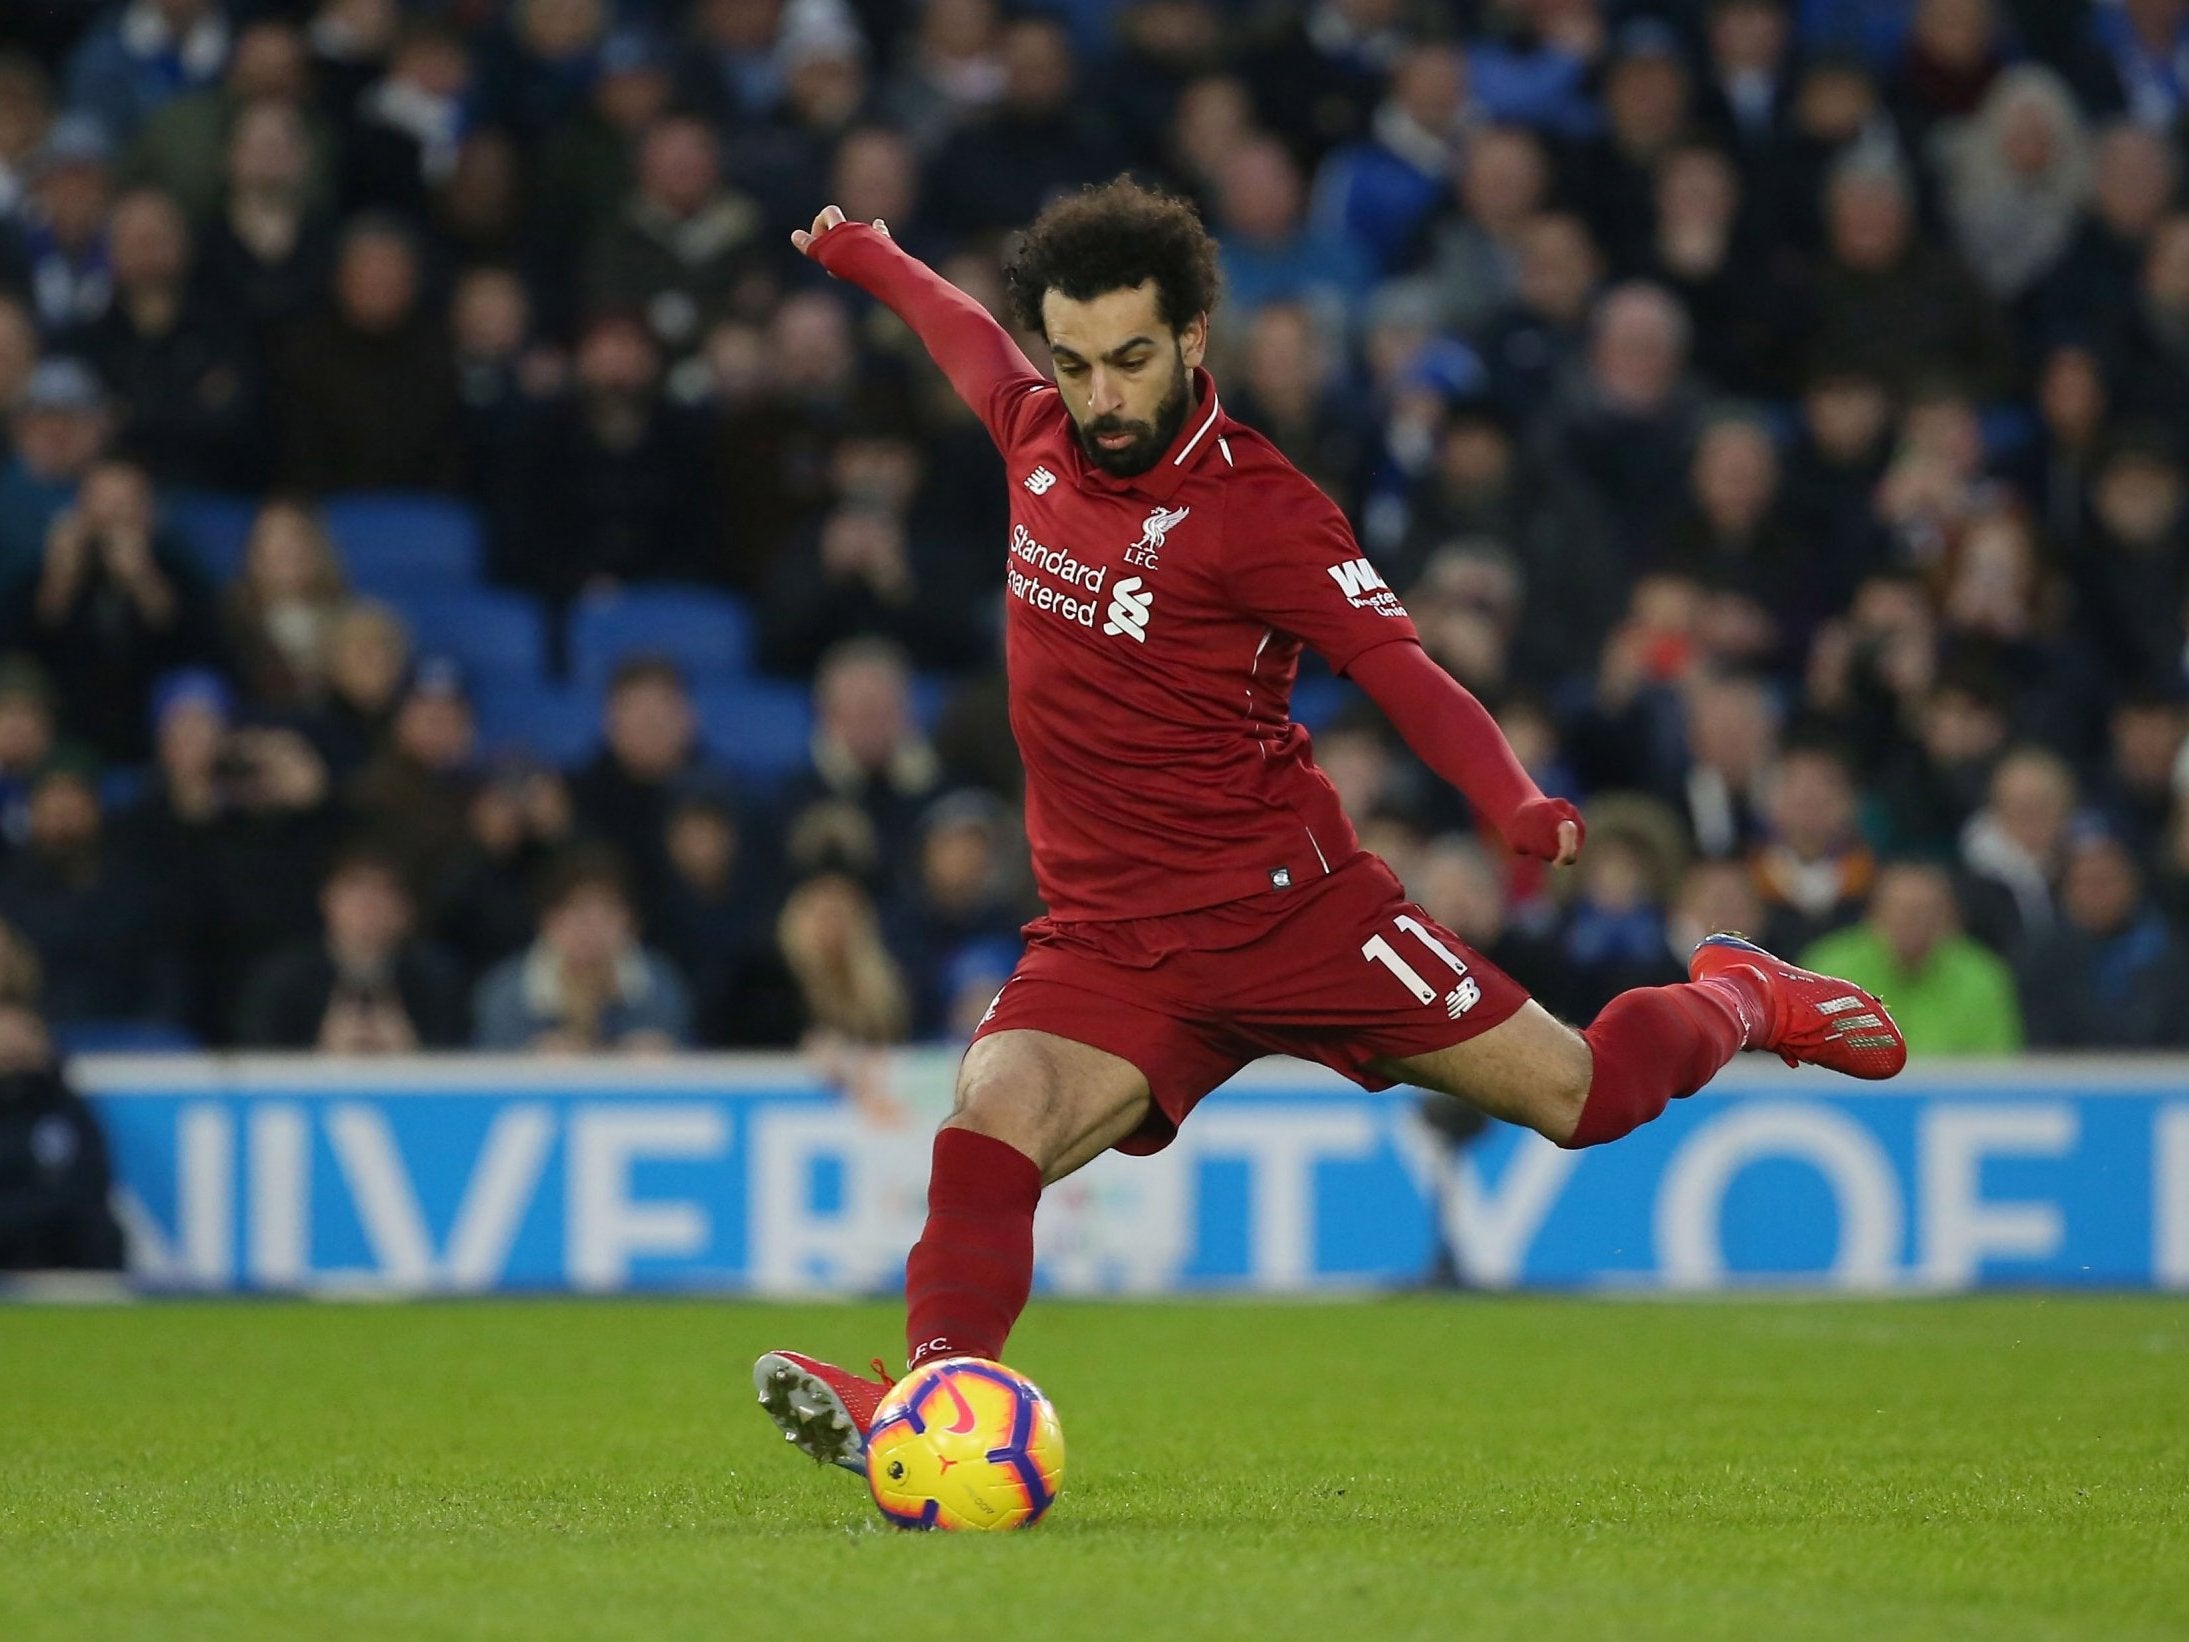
[[1196, 438]]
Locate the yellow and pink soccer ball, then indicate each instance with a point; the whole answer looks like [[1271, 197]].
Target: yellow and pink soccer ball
[[965, 1444]]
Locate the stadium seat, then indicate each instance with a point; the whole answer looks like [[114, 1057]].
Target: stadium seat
[[553, 722], [394, 543], [120, 1037], [214, 527], [499, 637], [762, 729], [706, 633]]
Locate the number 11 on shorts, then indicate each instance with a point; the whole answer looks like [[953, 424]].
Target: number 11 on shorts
[[1378, 949]]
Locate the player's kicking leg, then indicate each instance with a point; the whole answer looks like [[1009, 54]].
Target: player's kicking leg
[[1653, 1045], [1031, 1108]]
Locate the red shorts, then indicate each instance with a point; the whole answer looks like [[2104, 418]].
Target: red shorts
[[1344, 971]]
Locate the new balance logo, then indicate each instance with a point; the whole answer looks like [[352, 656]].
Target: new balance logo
[[1039, 481], [1128, 610], [1462, 998]]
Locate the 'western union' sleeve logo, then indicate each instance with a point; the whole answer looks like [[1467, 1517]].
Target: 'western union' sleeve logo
[[1357, 578]]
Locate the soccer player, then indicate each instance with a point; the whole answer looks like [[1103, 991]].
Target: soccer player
[[1208, 902]]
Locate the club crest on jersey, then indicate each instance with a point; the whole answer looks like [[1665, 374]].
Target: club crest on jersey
[[1160, 522], [1039, 481]]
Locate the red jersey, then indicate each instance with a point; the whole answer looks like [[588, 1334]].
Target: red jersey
[[1153, 631]]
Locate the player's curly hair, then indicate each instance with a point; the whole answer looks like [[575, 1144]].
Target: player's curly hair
[[1113, 236]]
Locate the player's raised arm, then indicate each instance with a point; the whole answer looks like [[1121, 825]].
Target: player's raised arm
[[984, 365]]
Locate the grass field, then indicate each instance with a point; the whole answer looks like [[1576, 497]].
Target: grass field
[[1500, 1468]]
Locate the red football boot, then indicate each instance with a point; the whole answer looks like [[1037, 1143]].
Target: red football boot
[[824, 1409], [1810, 1017]]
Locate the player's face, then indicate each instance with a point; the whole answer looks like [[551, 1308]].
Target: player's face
[[1124, 374]]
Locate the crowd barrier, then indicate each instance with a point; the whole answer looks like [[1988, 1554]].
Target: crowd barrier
[[463, 1174]]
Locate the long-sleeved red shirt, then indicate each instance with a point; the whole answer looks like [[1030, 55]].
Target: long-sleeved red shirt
[[1154, 629]]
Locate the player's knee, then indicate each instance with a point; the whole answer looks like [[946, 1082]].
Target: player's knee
[[1563, 1090]]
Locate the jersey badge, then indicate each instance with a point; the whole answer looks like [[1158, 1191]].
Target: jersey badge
[[1159, 523]]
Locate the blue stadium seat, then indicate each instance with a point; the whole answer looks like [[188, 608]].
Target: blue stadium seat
[[499, 637], [762, 729], [561, 725], [120, 1037], [706, 633], [214, 526], [393, 543]]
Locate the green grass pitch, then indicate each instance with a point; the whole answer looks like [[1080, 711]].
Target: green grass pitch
[[1999, 1467]]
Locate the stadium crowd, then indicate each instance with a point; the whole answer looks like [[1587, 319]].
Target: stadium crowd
[[1774, 408]]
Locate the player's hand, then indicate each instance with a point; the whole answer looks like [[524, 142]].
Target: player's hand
[[806, 238], [1548, 829]]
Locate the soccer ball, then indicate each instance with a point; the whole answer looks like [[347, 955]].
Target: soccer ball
[[965, 1443]]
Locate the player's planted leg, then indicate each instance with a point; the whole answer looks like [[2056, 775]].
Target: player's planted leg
[[1031, 1108]]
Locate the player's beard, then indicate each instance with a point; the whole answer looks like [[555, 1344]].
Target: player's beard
[[1150, 439]]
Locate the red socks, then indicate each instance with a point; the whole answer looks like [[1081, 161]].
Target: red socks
[[967, 1278], [1656, 1043]]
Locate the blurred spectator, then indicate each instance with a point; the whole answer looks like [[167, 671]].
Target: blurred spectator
[[233, 831], [2133, 172], [366, 391], [18, 358], [585, 985], [2016, 173], [857, 580], [1613, 935], [405, 131], [2110, 974], [269, 244], [950, 71], [839, 986], [867, 749], [585, 162], [281, 611], [1625, 426], [649, 743], [1474, 255], [1647, 94], [1813, 869], [54, 1173], [59, 426], [731, 71], [115, 604], [2145, 767], [534, 70], [1886, 300], [1833, 470], [26, 741], [1950, 995], [1378, 192], [2130, 573], [184, 149], [607, 495], [1213, 115], [368, 659], [1269, 251], [366, 987], [1318, 71], [187, 392], [63, 235], [1287, 387], [520, 820], [1735, 299], [787, 164], [2140, 45], [26, 111], [1949, 58], [415, 795], [1732, 745], [2073, 404], [1747, 84], [142, 56], [681, 241], [1713, 897], [1928, 791], [2012, 850], [708, 912], [963, 897], [1038, 139], [88, 908], [1536, 340], [1734, 540]]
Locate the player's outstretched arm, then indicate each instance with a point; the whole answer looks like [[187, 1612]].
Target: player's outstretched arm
[[1453, 733], [984, 365]]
